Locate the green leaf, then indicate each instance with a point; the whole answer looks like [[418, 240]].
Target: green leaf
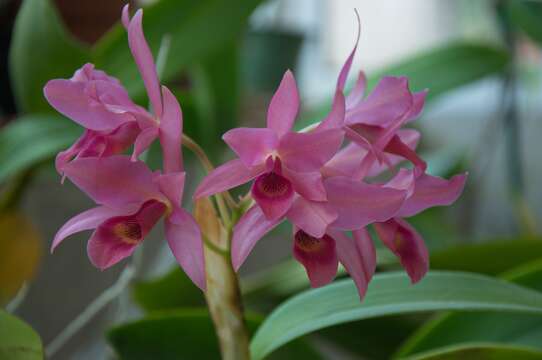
[[481, 351], [170, 291], [18, 341], [462, 328], [197, 28], [41, 49], [389, 294], [215, 95], [504, 255], [527, 15], [439, 70], [31, 139], [184, 334]]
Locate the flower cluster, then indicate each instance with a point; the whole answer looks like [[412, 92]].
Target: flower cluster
[[131, 198], [327, 181]]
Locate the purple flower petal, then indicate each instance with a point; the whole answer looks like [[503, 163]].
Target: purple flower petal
[[405, 242], [252, 226], [252, 145], [227, 176], [284, 106], [184, 239], [311, 216], [171, 130], [317, 255]]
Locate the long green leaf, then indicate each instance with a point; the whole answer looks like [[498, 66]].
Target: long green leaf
[[184, 334], [481, 351], [389, 294], [461, 328], [439, 70], [41, 49], [31, 139], [18, 341]]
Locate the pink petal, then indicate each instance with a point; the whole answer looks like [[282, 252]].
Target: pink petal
[[358, 256], [227, 176], [306, 152], [390, 99], [172, 185], [184, 239], [432, 191], [335, 118], [418, 101], [144, 140], [273, 193], [318, 256], [145, 62], [308, 184], [171, 130], [347, 162], [410, 138], [405, 242], [311, 216], [125, 18], [284, 106], [252, 145], [70, 99], [117, 237], [64, 157], [359, 204], [86, 220], [356, 95], [397, 147], [113, 181], [252, 226], [343, 75]]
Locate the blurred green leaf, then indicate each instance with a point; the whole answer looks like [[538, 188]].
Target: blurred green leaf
[[439, 70], [215, 92], [41, 49], [388, 294], [18, 341], [481, 351], [197, 28], [184, 334], [489, 258], [464, 328], [173, 290], [31, 139], [527, 15]]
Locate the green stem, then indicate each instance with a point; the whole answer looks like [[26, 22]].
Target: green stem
[[223, 297]]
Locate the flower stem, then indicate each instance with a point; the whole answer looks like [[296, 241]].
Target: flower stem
[[223, 297], [223, 294]]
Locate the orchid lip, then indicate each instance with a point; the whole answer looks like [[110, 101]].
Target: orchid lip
[[311, 244]]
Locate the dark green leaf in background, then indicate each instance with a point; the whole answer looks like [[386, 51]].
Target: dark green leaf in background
[[481, 351], [18, 341], [41, 50], [32, 139], [527, 15], [185, 334]]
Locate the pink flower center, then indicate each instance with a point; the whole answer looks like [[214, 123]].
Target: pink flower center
[[273, 185], [129, 231], [308, 243]]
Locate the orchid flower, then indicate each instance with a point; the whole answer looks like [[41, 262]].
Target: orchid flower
[[374, 122], [283, 164], [112, 121], [131, 200]]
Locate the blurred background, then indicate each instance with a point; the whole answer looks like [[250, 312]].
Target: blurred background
[[480, 60]]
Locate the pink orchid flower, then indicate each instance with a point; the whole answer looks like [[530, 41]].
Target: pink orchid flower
[[131, 200], [283, 164], [374, 122], [112, 121]]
